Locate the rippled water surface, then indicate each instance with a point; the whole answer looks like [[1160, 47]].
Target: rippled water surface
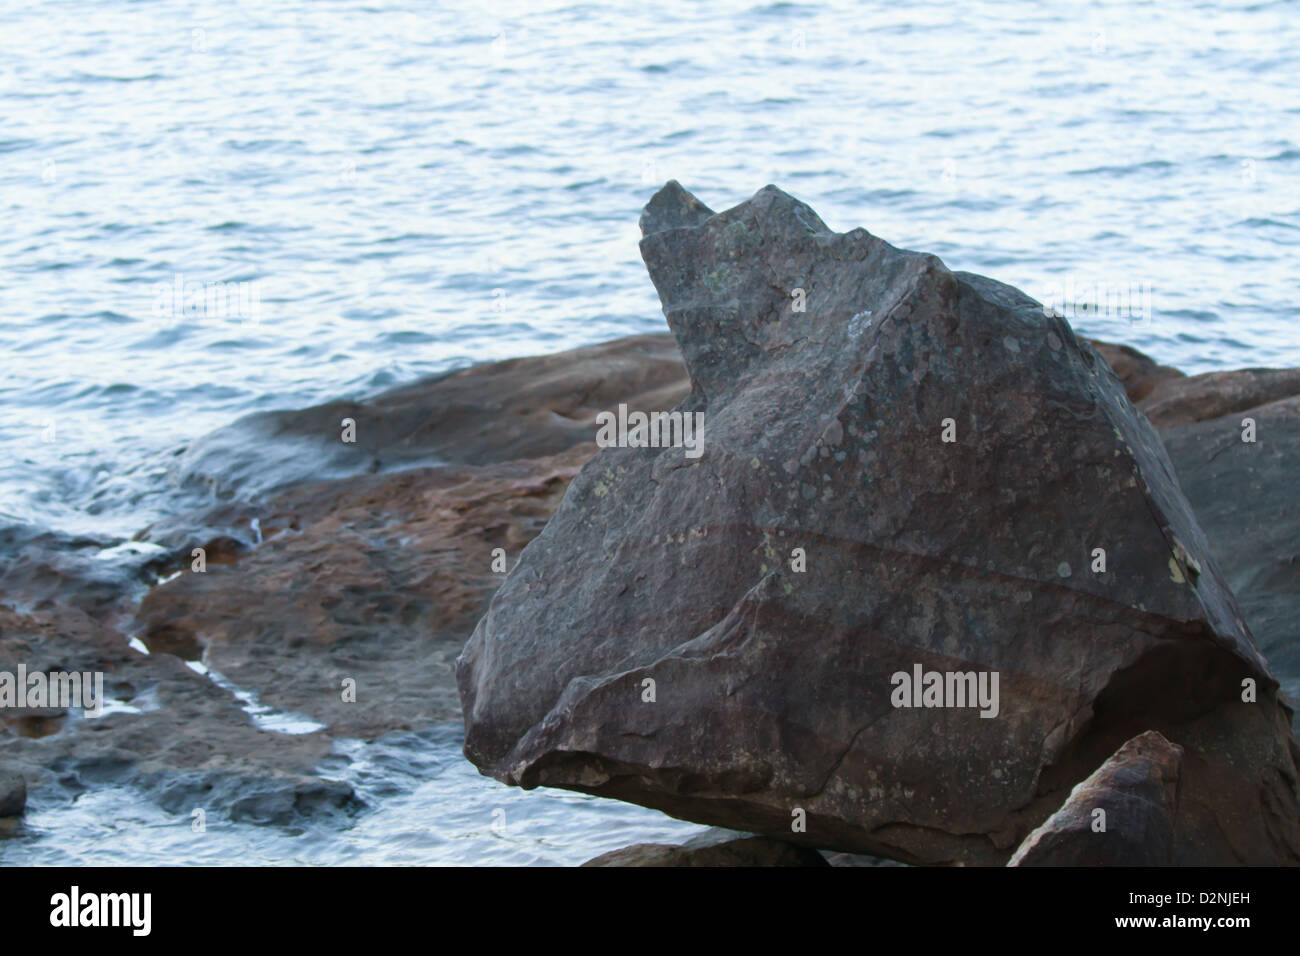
[[405, 187], [415, 186], [430, 807]]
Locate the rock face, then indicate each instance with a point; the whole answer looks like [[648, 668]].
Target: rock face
[[715, 848], [1122, 815], [1247, 498], [1244, 494], [728, 637]]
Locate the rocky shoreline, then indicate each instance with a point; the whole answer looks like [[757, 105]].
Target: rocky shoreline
[[342, 580]]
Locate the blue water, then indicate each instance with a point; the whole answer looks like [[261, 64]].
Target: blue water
[[415, 186], [406, 187]]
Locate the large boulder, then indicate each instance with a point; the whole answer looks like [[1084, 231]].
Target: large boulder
[[1122, 815], [729, 637]]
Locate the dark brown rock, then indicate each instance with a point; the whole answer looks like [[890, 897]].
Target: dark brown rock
[[716, 847], [1122, 815], [773, 687], [1140, 373], [1181, 401]]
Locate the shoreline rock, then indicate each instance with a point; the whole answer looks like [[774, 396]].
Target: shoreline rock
[[180, 740], [373, 561], [377, 577], [653, 646]]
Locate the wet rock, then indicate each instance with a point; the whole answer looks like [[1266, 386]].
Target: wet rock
[[344, 573], [379, 578], [172, 735], [282, 802], [379, 585], [13, 793], [41, 569], [726, 638], [1122, 815], [521, 408], [717, 847]]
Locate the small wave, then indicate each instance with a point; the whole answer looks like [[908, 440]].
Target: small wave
[[82, 77]]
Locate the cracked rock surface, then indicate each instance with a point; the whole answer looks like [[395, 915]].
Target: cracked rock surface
[[658, 643]]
